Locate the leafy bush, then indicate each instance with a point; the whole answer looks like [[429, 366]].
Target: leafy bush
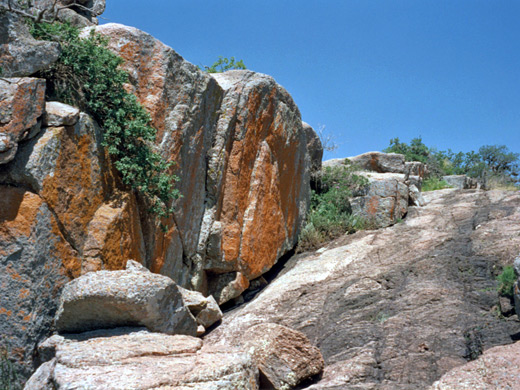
[[506, 280], [224, 64], [330, 214], [434, 183], [494, 162], [8, 377], [87, 75]]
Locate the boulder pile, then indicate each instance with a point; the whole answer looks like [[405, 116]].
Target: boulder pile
[[102, 344], [393, 186]]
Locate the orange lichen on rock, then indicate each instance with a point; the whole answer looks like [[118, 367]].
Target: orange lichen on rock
[[75, 190], [114, 233]]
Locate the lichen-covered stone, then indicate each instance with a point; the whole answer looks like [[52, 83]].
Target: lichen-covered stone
[[383, 201], [21, 104], [35, 262], [20, 54], [260, 154]]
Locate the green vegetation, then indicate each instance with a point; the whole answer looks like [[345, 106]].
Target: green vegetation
[[506, 280], [330, 214], [494, 164], [8, 377], [87, 75], [433, 183], [224, 64]]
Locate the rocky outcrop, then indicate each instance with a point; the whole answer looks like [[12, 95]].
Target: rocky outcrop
[[239, 150], [397, 308], [134, 297], [380, 162], [461, 182], [497, 368], [239, 128], [21, 106], [392, 185], [383, 201], [20, 54], [314, 146], [132, 358]]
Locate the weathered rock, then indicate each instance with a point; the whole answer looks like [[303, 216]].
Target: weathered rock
[[60, 114], [284, 356], [462, 182], [397, 308], [415, 196], [497, 368], [314, 147], [380, 162], [21, 104], [506, 307], [245, 133], [108, 299], [383, 201], [256, 146], [67, 167], [516, 297], [183, 102], [126, 358], [260, 154], [205, 309], [416, 168], [20, 54], [35, 262]]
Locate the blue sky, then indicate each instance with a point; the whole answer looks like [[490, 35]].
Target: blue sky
[[369, 71]]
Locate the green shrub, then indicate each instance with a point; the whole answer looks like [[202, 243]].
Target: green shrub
[[224, 64], [8, 377], [434, 183], [87, 75], [506, 280], [330, 214]]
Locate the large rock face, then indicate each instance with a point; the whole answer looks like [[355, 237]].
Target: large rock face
[[239, 151], [397, 308], [241, 156]]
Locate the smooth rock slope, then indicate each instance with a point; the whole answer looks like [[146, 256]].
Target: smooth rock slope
[[397, 308]]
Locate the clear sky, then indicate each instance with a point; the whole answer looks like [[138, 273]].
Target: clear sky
[[367, 70]]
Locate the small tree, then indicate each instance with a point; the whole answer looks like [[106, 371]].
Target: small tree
[[224, 64]]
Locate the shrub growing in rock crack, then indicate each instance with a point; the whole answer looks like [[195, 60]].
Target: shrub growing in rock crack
[[330, 214], [87, 75]]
